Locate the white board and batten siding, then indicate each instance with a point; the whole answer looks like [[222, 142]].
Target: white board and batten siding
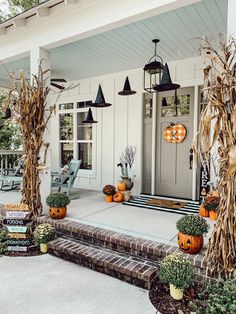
[[118, 125]]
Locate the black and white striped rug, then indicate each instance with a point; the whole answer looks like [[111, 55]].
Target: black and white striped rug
[[191, 207]]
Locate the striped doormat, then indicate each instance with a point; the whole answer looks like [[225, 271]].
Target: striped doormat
[[189, 207]]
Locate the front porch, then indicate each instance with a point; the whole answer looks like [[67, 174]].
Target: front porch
[[91, 209]]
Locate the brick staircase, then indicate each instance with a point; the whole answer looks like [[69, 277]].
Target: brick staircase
[[133, 260]]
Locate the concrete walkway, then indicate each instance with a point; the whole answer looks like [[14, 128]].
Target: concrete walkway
[[47, 285]]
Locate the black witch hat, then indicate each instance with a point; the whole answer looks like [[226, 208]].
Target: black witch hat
[[7, 113], [166, 83], [127, 89], [89, 118], [100, 99]]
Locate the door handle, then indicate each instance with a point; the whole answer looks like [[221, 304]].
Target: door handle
[[191, 159]]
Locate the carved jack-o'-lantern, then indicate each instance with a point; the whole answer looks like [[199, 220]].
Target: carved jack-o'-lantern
[[175, 133], [57, 212], [190, 244]]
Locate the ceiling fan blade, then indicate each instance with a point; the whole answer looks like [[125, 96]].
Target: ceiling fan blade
[[57, 86], [58, 80]]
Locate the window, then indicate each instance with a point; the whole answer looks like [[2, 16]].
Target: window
[[170, 108], [147, 106], [76, 138]]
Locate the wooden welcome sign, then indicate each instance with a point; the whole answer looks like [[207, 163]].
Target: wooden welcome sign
[[18, 223]]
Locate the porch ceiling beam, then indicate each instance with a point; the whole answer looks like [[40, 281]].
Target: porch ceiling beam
[[19, 22], [67, 2], [3, 31], [41, 12]]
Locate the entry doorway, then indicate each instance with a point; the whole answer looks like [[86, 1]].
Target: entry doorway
[[171, 174]]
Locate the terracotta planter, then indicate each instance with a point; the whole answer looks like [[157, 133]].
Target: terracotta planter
[[57, 212], [109, 198], [203, 211], [190, 244], [213, 215], [43, 248], [176, 293]]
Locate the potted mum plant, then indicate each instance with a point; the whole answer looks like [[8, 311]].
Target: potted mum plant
[[191, 230], [178, 272], [44, 233], [211, 205], [109, 191], [57, 203]]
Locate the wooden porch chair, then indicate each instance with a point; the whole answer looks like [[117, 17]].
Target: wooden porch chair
[[66, 180], [14, 180]]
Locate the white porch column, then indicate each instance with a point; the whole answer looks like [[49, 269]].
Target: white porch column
[[231, 26], [36, 55]]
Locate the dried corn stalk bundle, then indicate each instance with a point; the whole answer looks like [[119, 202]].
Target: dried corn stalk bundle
[[220, 112], [28, 102]]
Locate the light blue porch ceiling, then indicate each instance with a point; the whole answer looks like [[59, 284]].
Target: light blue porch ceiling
[[130, 46]]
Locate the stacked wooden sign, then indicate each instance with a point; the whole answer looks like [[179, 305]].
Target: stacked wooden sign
[[19, 224]]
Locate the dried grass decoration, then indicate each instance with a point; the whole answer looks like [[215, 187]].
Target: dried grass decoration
[[220, 113], [29, 105]]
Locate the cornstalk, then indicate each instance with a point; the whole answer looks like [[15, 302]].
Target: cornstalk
[[220, 93]]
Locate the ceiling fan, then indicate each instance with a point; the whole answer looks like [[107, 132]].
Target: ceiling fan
[[58, 80]]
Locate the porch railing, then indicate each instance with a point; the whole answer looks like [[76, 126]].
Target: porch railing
[[8, 160]]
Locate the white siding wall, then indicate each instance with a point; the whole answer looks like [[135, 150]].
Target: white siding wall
[[120, 124]]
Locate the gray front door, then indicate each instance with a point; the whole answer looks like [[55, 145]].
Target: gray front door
[[173, 173]]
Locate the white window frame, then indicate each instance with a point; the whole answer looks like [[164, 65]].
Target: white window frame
[[82, 172]]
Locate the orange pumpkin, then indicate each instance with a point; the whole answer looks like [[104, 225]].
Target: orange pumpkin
[[109, 198], [190, 244], [121, 186], [57, 212], [118, 197], [213, 215], [203, 211]]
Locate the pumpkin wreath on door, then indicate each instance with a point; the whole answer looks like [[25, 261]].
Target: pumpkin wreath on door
[[175, 133]]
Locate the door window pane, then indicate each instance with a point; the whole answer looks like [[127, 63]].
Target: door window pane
[[66, 126], [66, 106], [171, 108], [84, 104], [147, 106], [84, 131], [66, 153], [85, 154]]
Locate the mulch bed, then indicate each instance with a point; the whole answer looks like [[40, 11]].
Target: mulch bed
[[159, 296]]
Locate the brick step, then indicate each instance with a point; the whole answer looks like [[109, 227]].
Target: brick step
[[127, 268], [123, 243]]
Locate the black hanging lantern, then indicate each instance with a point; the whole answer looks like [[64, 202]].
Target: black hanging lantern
[[89, 118], [153, 70], [166, 83], [7, 113], [100, 99], [127, 89]]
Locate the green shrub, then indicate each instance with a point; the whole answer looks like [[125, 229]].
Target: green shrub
[[193, 225], [177, 270], [44, 233], [57, 200], [3, 240], [217, 298]]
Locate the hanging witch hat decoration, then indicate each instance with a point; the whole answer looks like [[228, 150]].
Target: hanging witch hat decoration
[[166, 83], [89, 118], [127, 89], [100, 99], [7, 113]]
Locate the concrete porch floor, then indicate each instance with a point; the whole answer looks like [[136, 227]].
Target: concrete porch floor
[[92, 209]]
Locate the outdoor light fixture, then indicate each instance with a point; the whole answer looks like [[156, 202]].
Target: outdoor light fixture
[[166, 83], [127, 89], [100, 99], [89, 118], [153, 70]]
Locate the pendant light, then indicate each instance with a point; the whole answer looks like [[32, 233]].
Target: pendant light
[[89, 118], [100, 99], [166, 83], [127, 89], [153, 70]]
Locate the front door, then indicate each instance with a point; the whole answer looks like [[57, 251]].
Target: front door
[[173, 169]]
